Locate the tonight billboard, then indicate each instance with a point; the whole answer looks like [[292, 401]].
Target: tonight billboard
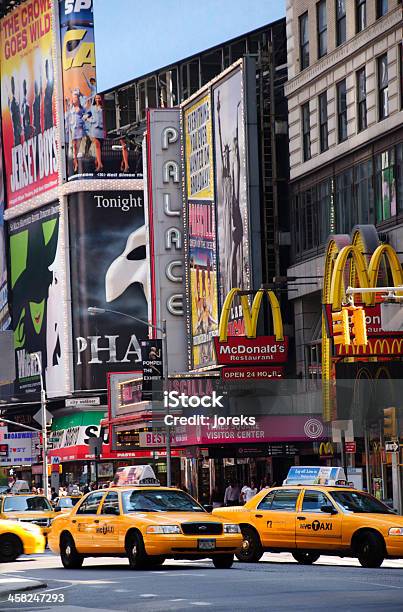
[[89, 151], [35, 254], [28, 101], [110, 270]]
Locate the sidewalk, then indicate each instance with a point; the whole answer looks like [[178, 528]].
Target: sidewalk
[[13, 584]]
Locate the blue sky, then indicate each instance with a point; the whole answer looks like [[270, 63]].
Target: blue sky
[[134, 37]]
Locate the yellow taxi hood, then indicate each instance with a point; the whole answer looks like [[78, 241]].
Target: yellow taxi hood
[[30, 515], [173, 518], [380, 520]]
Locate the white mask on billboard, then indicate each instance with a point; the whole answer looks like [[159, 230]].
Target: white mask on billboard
[[123, 271]]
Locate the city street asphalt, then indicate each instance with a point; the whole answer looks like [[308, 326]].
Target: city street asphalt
[[274, 584]]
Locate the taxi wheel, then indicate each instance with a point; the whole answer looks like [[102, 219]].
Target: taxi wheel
[[305, 558], [135, 552], [155, 561], [10, 548], [223, 561], [370, 550], [251, 550], [68, 553]]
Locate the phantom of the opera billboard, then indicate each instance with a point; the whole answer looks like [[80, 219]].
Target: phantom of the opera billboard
[[28, 101], [89, 152], [109, 270], [218, 126], [35, 262]]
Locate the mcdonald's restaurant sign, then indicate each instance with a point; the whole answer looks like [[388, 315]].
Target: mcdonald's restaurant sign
[[251, 350], [348, 265], [326, 450]]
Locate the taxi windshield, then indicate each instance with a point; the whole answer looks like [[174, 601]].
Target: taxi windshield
[[159, 501], [23, 503], [353, 501]]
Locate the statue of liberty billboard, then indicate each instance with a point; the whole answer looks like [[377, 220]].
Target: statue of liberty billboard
[[37, 313]]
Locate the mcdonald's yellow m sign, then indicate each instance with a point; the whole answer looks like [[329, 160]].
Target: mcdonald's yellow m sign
[[251, 315], [326, 448]]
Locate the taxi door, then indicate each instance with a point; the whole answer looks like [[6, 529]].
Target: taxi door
[[317, 529], [108, 534], [85, 521], [274, 518]]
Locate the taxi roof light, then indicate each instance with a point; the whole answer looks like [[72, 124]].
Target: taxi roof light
[[138, 475]]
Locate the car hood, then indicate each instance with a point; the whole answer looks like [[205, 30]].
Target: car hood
[[29, 515], [173, 518], [391, 520]]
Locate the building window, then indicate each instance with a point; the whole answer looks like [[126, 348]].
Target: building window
[[381, 8], [340, 22], [325, 211], [322, 28], [345, 215], [364, 193], [306, 132], [361, 15], [323, 127], [304, 41], [383, 86], [342, 110], [385, 185], [399, 176], [361, 100]]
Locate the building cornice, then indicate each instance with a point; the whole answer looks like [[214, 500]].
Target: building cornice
[[346, 51]]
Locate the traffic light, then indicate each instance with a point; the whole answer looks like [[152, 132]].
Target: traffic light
[[359, 327], [341, 327], [389, 423]]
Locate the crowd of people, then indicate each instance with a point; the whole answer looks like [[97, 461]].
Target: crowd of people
[[234, 495]]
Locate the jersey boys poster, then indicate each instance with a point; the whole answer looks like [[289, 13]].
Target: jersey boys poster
[[28, 101]]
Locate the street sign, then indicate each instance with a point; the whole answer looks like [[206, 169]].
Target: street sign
[[82, 402], [350, 447], [38, 417], [392, 446], [55, 460], [51, 440]]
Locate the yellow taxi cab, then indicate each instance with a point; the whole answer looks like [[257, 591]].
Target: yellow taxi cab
[[147, 524], [19, 539], [311, 520], [28, 508]]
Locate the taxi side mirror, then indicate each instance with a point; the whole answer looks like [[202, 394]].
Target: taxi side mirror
[[208, 507], [329, 509], [57, 509]]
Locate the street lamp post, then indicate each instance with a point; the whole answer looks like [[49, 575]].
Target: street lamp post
[[44, 435], [94, 310]]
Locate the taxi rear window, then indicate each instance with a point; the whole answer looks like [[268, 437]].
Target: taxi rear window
[[282, 499]]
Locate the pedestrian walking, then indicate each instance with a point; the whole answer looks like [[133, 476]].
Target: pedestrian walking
[[232, 493], [248, 491]]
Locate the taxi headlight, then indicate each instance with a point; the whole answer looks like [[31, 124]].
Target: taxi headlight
[[31, 528], [231, 528], [396, 531], [163, 529]]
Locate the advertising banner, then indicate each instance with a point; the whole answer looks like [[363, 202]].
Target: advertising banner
[[164, 221], [20, 451], [153, 369], [200, 220], [240, 374], [28, 101], [89, 152], [109, 270], [231, 186], [4, 311], [35, 254]]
